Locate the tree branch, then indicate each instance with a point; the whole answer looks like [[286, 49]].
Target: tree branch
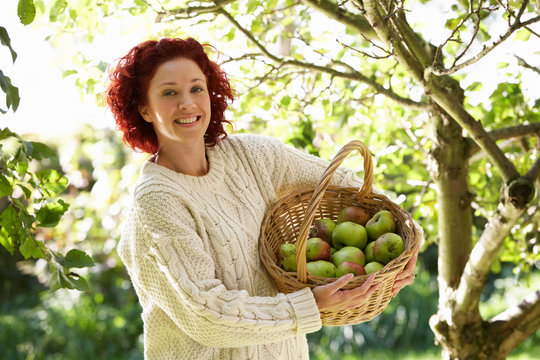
[[393, 41], [534, 172], [191, 11], [487, 49], [482, 256], [353, 75], [523, 63], [475, 129], [515, 324], [507, 133], [334, 11]]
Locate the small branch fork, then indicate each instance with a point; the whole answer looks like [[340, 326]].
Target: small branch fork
[[512, 27]]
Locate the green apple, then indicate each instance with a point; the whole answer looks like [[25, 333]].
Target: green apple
[[349, 253], [323, 229], [373, 266], [368, 251], [349, 234], [382, 222], [321, 268], [347, 267], [317, 249], [287, 252], [387, 247], [355, 214]]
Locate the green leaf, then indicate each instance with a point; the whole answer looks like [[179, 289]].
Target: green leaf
[[523, 35], [50, 214], [27, 192], [475, 86], [6, 240], [70, 281], [6, 41], [52, 181], [77, 259], [6, 133], [9, 228], [26, 11], [79, 283], [12, 92], [6, 189], [40, 151], [31, 248], [68, 72], [57, 9], [286, 100], [22, 168]]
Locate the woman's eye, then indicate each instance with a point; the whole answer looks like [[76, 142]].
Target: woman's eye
[[197, 89], [169, 92]]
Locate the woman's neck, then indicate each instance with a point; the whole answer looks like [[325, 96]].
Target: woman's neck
[[184, 160]]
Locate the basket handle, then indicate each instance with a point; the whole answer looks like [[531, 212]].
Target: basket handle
[[318, 193]]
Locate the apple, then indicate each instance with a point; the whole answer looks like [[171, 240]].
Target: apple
[[355, 214], [323, 229], [368, 251], [287, 252], [317, 249], [347, 267], [349, 234], [387, 247], [382, 222], [349, 253], [373, 266], [321, 268]]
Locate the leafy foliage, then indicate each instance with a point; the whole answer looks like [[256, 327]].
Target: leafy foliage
[[30, 192]]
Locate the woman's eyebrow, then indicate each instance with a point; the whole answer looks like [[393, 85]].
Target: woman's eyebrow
[[172, 83]]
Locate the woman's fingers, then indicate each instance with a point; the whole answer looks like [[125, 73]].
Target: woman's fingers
[[400, 284], [409, 268], [332, 297], [335, 286]]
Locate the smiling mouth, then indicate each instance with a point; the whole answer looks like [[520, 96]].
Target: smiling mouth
[[187, 120]]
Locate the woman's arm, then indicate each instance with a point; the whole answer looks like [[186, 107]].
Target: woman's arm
[[168, 262]]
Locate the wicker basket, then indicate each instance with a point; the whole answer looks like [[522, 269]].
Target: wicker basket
[[290, 219]]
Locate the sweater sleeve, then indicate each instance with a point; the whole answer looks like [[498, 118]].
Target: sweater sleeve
[[168, 263]]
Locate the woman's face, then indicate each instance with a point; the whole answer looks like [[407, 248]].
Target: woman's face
[[178, 103]]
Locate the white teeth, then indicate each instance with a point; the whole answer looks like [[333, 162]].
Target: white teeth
[[186, 120]]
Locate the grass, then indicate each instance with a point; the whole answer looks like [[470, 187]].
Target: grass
[[430, 354]]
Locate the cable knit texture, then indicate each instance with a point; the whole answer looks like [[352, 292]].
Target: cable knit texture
[[190, 245]]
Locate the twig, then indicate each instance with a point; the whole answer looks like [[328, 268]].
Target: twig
[[523, 63], [487, 49], [357, 76]]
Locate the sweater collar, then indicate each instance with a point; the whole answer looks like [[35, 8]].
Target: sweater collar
[[215, 170]]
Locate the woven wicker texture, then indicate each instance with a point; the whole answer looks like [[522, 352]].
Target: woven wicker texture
[[290, 219]]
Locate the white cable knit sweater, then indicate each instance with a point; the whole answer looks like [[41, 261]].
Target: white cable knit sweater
[[190, 245]]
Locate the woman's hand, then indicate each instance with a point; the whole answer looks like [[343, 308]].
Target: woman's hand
[[330, 297], [407, 276]]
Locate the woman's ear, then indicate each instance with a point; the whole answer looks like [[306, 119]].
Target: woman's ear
[[143, 111]]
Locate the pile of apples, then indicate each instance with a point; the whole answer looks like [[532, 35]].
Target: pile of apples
[[355, 243]]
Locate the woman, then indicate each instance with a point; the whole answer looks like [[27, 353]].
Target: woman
[[190, 242]]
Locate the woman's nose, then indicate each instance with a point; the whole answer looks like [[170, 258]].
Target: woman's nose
[[185, 103]]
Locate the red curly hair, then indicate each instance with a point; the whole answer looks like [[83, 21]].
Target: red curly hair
[[130, 79]]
